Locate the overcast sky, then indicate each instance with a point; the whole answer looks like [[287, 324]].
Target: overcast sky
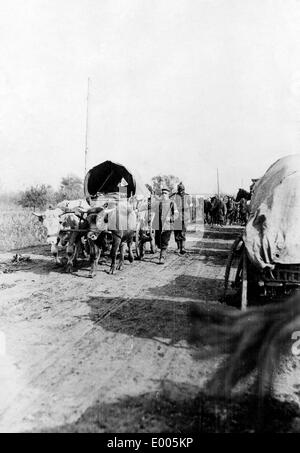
[[179, 87]]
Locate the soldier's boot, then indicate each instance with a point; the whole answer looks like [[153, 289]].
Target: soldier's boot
[[178, 245], [182, 247], [162, 257]]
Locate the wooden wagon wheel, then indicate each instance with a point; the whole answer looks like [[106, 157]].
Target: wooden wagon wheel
[[241, 279], [235, 251]]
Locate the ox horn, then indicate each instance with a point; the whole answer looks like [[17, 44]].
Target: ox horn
[[39, 216]]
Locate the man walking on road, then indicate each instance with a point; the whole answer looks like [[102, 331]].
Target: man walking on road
[[183, 203], [167, 212]]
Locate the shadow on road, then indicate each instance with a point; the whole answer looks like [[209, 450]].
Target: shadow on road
[[162, 313], [156, 318], [187, 286], [179, 408]]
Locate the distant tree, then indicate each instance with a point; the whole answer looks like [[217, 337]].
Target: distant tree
[[37, 197], [71, 188], [169, 181]]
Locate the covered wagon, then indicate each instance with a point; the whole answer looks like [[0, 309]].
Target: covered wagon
[[268, 251], [111, 179], [115, 184]]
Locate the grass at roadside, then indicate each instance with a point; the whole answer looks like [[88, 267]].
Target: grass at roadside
[[19, 228]]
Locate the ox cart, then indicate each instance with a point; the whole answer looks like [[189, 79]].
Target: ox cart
[[116, 206], [265, 259], [113, 183]]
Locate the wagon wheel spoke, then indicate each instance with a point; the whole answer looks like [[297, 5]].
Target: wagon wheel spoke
[[235, 251], [244, 299]]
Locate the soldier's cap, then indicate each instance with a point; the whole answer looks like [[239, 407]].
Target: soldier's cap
[[180, 186]]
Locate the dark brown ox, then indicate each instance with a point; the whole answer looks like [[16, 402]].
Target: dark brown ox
[[96, 242]]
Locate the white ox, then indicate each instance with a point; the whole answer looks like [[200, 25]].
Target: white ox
[[144, 227], [129, 217], [120, 219], [56, 222]]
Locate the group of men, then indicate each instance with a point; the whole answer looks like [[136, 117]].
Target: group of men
[[173, 215]]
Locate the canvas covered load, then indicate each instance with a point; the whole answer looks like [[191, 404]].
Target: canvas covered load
[[112, 180], [272, 233]]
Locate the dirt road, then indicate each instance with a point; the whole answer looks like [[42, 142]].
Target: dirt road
[[110, 354]]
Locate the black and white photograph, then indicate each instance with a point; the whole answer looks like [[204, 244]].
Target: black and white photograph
[[150, 219]]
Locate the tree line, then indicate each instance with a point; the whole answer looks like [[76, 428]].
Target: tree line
[[42, 195], [71, 188]]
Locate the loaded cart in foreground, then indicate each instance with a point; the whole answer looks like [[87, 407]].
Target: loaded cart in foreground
[[267, 254]]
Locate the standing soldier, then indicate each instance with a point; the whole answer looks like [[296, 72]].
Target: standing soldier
[[166, 214], [183, 203]]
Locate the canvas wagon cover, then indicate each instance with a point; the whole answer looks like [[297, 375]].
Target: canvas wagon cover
[[272, 233], [107, 177]]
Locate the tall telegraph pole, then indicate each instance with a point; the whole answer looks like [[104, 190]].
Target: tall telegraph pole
[[86, 127]]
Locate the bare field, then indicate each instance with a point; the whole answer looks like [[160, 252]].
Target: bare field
[[111, 354]]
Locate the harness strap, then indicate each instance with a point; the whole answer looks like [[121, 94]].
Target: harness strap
[[116, 234]]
